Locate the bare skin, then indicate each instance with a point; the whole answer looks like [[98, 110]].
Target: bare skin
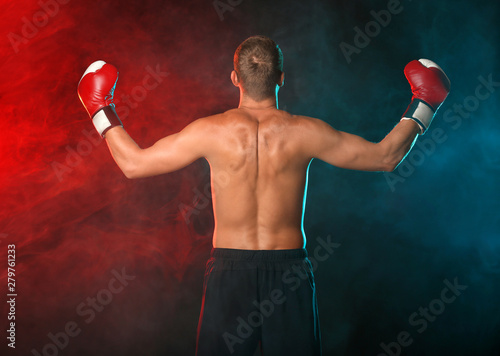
[[259, 158]]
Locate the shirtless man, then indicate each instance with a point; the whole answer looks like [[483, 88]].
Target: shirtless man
[[264, 153]]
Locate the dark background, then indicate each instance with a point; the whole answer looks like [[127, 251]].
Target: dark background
[[75, 218]]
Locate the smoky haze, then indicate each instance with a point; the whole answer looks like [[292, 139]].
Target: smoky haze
[[77, 222]]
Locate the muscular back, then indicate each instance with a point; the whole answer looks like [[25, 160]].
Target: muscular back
[[259, 160], [259, 173]]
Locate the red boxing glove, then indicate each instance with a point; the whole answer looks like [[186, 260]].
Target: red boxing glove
[[430, 87], [96, 89]]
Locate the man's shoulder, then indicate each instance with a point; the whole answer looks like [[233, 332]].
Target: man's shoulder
[[305, 118], [306, 122], [217, 118], [207, 121]]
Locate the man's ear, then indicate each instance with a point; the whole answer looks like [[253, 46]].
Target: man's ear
[[282, 79], [235, 79]]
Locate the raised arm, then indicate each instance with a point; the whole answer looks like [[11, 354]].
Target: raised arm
[[166, 155], [96, 89], [349, 151], [429, 85]]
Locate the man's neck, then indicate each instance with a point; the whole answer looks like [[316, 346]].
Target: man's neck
[[248, 103]]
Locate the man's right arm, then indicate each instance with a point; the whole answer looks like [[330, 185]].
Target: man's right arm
[[96, 89], [169, 154]]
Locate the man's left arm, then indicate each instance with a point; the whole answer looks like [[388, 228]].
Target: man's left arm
[[430, 87]]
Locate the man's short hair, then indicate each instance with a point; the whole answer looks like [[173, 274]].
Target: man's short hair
[[258, 61]]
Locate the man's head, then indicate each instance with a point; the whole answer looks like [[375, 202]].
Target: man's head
[[258, 67]]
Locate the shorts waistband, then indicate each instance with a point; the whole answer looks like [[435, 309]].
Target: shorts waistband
[[259, 255]]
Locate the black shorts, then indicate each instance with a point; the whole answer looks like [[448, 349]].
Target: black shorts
[[259, 300]]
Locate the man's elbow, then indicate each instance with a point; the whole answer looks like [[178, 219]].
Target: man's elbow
[[130, 171], [390, 162], [132, 167], [389, 167], [129, 174], [388, 157]]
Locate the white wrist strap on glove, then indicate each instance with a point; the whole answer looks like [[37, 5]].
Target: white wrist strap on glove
[[105, 119], [420, 112]]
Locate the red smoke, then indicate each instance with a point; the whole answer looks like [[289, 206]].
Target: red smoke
[[73, 216]]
